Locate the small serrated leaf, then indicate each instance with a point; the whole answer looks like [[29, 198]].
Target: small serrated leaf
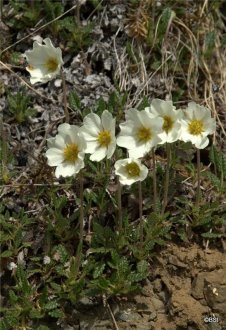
[[42, 327], [57, 313], [12, 297], [98, 270], [62, 253], [74, 100], [35, 314], [142, 266], [210, 235], [6, 254], [51, 305]]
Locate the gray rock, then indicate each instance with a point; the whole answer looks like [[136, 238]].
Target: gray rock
[[127, 316]]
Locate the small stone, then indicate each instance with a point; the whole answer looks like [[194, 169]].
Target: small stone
[[153, 316], [58, 83], [127, 316], [158, 304], [157, 285]]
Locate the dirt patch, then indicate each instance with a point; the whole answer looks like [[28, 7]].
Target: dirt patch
[[186, 289]]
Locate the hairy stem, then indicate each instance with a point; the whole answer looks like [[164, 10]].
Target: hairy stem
[[66, 113], [119, 199], [166, 184], [198, 179], [81, 225], [154, 182], [81, 209], [141, 213]]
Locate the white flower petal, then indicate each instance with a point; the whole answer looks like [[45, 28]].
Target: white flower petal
[[126, 141], [99, 154], [65, 169], [55, 156], [111, 149], [107, 120]]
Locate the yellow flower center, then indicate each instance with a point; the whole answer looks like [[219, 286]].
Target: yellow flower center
[[168, 124], [195, 127], [71, 152], [104, 138], [133, 169], [51, 64], [30, 67], [144, 134]]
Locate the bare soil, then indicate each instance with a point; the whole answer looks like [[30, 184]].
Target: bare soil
[[186, 289]]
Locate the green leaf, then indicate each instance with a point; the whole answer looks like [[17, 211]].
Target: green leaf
[[123, 265], [56, 286], [36, 314], [99, 270], [167, 16], [12, 318], [210, 43], [42, 327], [51, 305], [3, 325], [142, 266], [136, 277], [218, 158], [22, 278], [101, 105], [213, 179], [210, 235], [6, 254], [62, 252], [74, 101], [57, 313], [12, 297]]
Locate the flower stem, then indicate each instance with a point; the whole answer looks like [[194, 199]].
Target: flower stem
[[198, 178], [66, 113], [81, 225], [154, 182], [166, 184], [81, 209], [141, 213], [119, 197]]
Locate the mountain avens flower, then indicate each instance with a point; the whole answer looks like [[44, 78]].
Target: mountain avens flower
[[99, 134], [130, 170], [171, 119], [196, 125], [139, 133], [44, 61], [66, 150]]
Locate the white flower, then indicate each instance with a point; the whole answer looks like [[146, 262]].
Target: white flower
[[171, 125], [139, 133], [12, 265], [66, 150], [44, 61], [46, 260], [130, 170], [196, 125], [99, 134]]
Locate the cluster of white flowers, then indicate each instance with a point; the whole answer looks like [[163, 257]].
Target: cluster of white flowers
[[160, 123]]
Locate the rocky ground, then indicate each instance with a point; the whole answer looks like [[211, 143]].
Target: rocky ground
[[186, 289]]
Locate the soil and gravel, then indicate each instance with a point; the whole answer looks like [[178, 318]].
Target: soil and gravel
[[186, 289]]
